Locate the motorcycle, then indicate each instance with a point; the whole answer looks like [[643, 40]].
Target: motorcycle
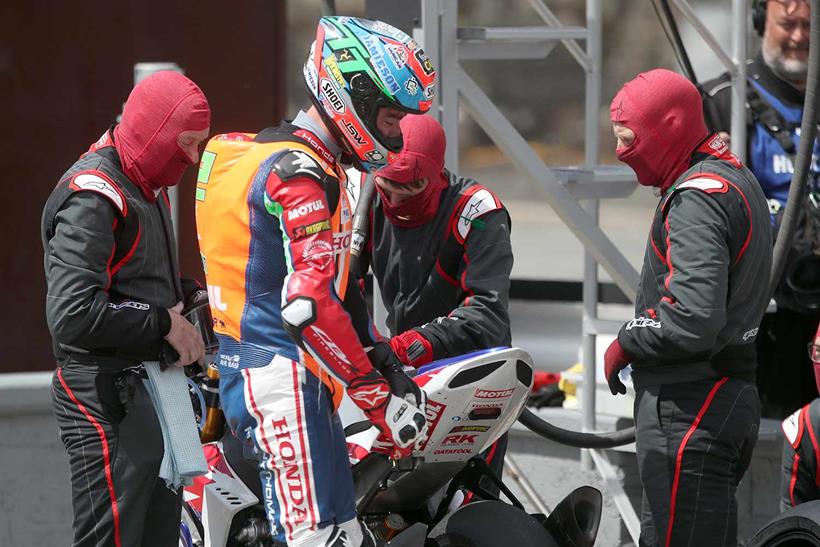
[[472, 400]]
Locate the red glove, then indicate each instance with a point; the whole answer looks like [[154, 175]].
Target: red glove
[[615, 360], [412, 349]]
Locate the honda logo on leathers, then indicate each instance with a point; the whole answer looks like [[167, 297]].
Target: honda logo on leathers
[[290, 474]]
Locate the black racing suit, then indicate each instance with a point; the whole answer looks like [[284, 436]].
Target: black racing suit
[[112, 274], [774, 110], [702, 292], [800, 474], [449, 279]]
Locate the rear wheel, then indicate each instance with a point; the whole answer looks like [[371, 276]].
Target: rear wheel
[[489, 524]]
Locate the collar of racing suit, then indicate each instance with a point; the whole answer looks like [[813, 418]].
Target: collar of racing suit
[[303, 121]]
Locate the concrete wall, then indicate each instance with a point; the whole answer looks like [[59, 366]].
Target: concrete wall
[[35, 506], [35, 498]]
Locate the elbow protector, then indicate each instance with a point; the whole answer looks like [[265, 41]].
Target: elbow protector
[[298, 314]]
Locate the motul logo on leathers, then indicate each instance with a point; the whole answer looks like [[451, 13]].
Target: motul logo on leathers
[[290, 474], [302, 210]]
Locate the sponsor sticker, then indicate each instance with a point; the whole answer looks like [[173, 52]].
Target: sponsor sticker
[[374, 156], [460, 438], [333, 67], [302, 210], [750, 334], [463, 428], [642, 323], [229, 361], [332, 96], [424, 61], [380, 64], [494, 394], [432, 412], [129, 304], [354, 133], [317, 252], [397, 55], [311, 229], [452, 451], [412, 87], [341, 242]]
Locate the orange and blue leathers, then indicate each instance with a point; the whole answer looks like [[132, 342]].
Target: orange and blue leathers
[[274, 228]]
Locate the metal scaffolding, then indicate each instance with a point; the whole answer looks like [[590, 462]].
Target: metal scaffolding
[[573, 192]]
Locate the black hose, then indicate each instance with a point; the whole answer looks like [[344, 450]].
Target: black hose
[[361, 219], [575, 438], [670, 28], [802, 163]]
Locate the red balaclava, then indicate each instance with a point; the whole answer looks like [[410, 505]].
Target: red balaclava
[[422, 156], [664, 110], [159, 108]]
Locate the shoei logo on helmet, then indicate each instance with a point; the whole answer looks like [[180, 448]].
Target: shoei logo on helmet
[[332, 97]]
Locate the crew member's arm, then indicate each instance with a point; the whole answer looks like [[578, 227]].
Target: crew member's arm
[[481, 319], [79, 309], [692, 310]]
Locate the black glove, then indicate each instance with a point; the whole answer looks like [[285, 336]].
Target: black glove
[[387, 363]]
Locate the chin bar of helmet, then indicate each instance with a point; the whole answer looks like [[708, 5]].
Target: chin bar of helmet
[[802, 162], [577, 439]]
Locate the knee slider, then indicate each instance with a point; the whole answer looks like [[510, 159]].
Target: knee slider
[[298, 314]]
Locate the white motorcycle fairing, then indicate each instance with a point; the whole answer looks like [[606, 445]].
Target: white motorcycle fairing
[[472, 400]]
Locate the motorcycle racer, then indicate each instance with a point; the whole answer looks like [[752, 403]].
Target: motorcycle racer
[[273, 219]]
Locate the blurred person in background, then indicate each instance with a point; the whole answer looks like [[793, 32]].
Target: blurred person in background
[[439, 247], [775, 96], [274, 227], [800, 474], [114, 301], [702, 293]]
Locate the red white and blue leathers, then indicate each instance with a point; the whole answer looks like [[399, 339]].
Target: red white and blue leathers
[[274, 230]]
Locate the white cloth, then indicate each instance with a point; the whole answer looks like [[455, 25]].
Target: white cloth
[[183, 458]]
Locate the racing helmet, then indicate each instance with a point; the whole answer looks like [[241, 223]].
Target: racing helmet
[[356, 66]]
